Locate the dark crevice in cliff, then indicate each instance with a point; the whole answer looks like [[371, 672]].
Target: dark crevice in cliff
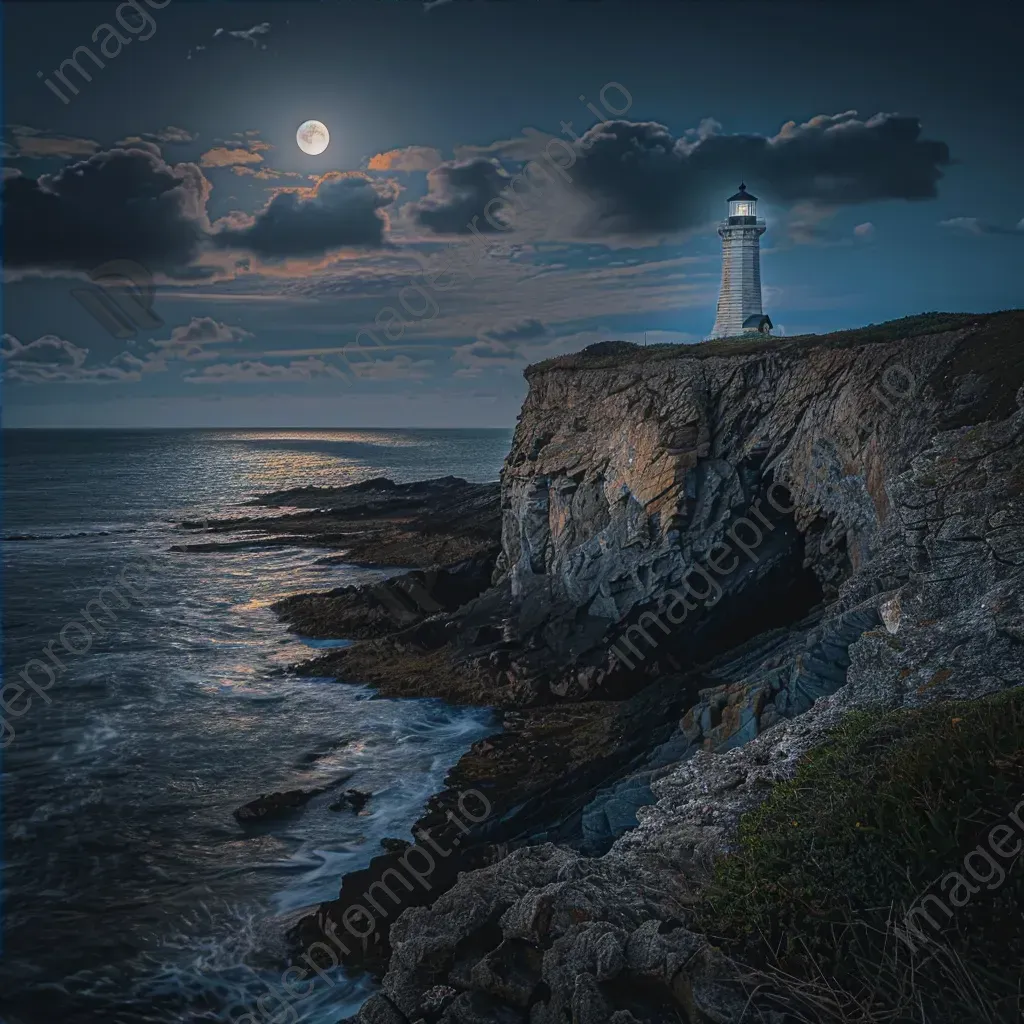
[[772, 585], [782, 596]]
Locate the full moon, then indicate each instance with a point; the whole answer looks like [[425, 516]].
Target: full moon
[[312, 137]]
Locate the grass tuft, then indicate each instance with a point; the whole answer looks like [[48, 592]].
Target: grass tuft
[[883, 813], [610, 354]]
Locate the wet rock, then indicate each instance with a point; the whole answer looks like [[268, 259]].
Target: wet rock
[[388, 606], [357, 799], [354, 800], [376, 522], [274, 805]]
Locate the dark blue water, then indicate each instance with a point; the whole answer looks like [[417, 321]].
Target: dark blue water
[[130, 893]]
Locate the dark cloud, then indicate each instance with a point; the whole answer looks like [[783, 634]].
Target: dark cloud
[[457, 192], [340, 211], [641, 179], [121, 204]]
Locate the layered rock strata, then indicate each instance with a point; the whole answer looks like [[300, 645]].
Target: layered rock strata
[[870, 490]]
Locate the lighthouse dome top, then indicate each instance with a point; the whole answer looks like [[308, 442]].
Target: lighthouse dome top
[[742, 196]]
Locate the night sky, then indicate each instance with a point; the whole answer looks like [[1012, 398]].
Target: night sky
[[884, 141]]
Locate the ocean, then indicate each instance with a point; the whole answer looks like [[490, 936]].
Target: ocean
[[130, 893]]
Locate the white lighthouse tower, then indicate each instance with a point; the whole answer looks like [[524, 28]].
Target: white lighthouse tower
[[739, 302]]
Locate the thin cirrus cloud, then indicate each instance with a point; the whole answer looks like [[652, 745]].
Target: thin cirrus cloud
[[170, 135], [977, 226], [529, 329], [520, 149], [50, 359], [34, 145], [249, 35], [199, 339], [250, 371], [399, 367], [264, 173], [486, 354], [25, 142], [505, 346]]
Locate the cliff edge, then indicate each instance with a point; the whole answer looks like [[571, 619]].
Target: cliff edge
[[709, 555]]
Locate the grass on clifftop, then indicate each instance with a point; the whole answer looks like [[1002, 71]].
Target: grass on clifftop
[[607, 354], [880, 816]]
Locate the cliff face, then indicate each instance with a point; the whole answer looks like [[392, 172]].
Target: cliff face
[[869, 490], [623, 477]]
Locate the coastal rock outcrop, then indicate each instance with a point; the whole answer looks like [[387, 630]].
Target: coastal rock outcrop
[[717, 550], [374, 522]]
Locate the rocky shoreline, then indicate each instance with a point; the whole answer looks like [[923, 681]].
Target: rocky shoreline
[[880, 475], [375, 522]]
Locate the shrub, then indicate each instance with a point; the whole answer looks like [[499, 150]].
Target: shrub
[[871, 821]]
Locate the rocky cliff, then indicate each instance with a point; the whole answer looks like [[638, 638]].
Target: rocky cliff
[[711, 552]]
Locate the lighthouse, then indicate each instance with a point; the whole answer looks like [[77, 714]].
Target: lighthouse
[[739, 302]]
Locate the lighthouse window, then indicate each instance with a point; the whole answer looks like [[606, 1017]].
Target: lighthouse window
[[744, 210]]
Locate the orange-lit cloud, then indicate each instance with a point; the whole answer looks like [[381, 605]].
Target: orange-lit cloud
[[221, 156], [411, 158]]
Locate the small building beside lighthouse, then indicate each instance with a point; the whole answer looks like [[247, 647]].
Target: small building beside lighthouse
[[739, 302]]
